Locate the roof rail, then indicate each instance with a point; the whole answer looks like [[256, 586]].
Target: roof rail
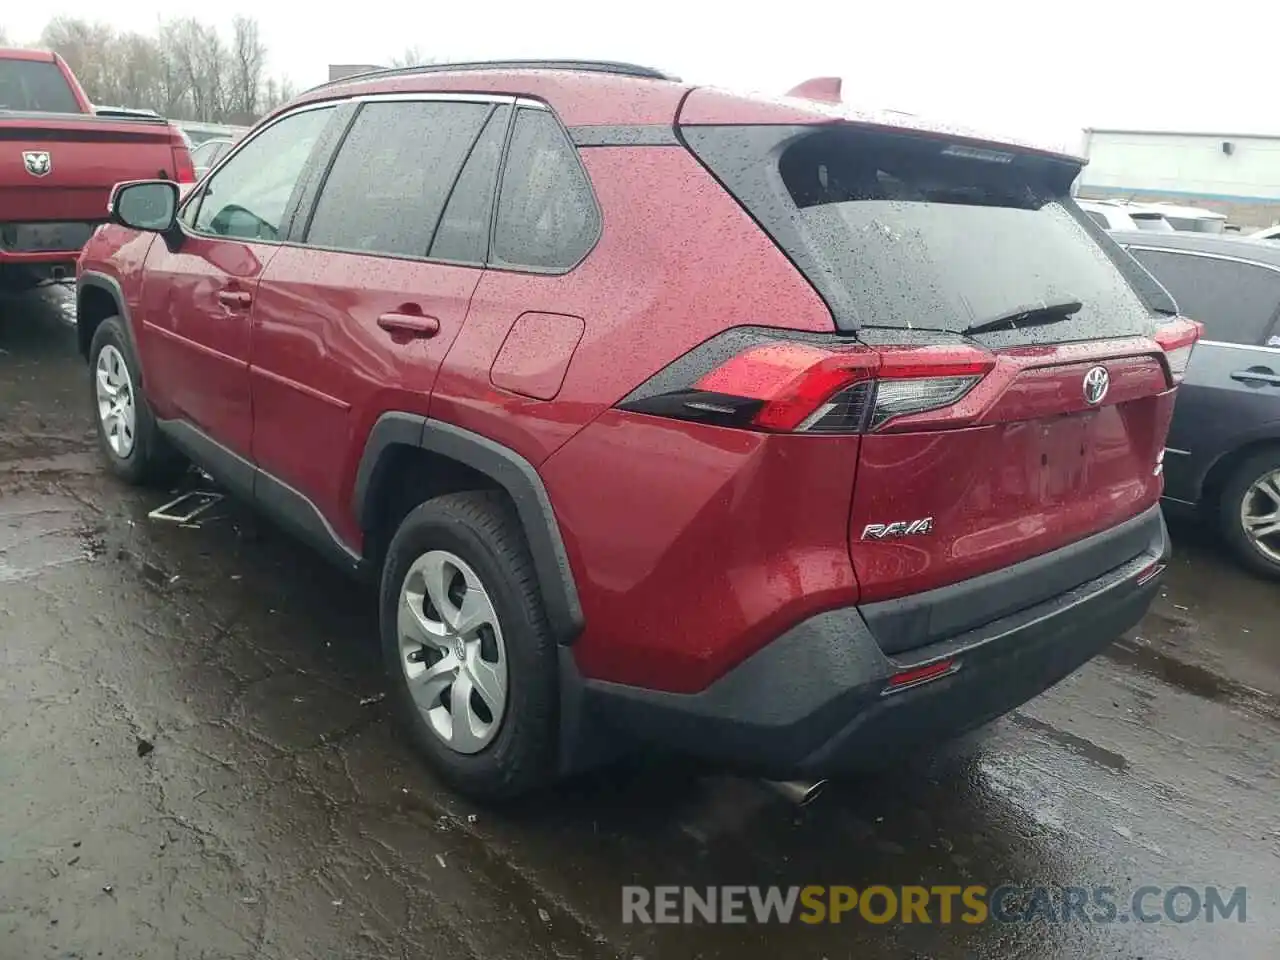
[[584, 66]]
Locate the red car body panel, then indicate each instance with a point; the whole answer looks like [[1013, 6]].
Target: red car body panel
[[323, 370], [1020, 467], [194, 332], [89, 155], [643, 299], [687, 563]]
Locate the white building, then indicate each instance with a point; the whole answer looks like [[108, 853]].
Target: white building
[[1233, 173]]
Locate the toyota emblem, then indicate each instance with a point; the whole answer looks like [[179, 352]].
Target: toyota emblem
[[1096, 383]]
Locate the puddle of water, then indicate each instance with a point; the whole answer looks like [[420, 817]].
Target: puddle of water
[[1193, 679], [1077, 745], [38, 534]]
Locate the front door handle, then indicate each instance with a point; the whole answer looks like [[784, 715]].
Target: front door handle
[[1257, 375], [409, 324], [234, 299]]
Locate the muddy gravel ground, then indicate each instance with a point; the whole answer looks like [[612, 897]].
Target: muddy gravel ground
[[195, 762]]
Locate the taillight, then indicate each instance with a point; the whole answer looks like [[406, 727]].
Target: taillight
[[1177, 339], [184, 171], [768, 380]]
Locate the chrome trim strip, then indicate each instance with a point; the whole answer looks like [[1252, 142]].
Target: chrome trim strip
[[1207, 256], [433, 95], [1239, 346], [1175, 450]]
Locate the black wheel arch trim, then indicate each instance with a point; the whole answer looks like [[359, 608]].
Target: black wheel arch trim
[[1218, 465], [510, 471], [109, 284]]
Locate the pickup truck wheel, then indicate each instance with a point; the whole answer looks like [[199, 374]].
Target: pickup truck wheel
[[128, 437], [468, 653], [1249, 512]]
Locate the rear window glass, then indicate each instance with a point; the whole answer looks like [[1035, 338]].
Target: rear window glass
[[903, 231], [37, 86]]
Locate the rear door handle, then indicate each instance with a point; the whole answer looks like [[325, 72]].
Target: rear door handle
[[1257, 375], [235, 299], [409, 324]]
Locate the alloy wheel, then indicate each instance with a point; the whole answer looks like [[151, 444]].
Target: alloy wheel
[[1260, 515]]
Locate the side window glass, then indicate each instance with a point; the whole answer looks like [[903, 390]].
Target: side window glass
[[392, 176], [248, 197], [463, 233], [547, 216], [1235, 301]]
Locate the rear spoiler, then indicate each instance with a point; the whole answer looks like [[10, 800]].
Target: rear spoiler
[[127, 113]]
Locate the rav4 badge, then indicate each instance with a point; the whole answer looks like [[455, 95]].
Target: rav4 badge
[[902, 528]]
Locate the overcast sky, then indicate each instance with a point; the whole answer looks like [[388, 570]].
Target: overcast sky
[[1041, 71]]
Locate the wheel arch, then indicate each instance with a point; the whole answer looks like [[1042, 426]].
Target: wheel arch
[[1221, 470], [98, 297], [395, 434]]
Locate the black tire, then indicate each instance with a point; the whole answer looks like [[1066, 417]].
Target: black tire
[[151, 460], [1232, 500], [481, 528]]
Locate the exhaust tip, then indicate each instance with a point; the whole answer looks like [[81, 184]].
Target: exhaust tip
[[800, 792]]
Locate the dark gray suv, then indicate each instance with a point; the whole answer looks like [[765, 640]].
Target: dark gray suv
[[1223, 456]]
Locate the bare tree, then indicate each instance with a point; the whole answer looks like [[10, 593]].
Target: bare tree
[[187, 71], [412, 57], [277, 94], [87, 48], [249, 58]]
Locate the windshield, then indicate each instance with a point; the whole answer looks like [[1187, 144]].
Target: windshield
[[36, 86], [1152, 221]]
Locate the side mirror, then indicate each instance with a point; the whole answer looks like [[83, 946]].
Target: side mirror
[[144, 205]]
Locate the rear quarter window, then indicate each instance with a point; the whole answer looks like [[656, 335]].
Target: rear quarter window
[[547, 217]]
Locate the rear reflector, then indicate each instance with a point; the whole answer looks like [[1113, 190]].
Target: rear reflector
[[1177, 339], [918, 675], [777, 382]]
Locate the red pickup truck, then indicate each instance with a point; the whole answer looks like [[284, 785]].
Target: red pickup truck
[[59, 159]]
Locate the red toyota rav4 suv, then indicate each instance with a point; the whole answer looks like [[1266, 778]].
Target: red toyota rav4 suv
[[767, 430]]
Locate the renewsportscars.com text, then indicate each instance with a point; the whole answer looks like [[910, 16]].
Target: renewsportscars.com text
[[814, 904]]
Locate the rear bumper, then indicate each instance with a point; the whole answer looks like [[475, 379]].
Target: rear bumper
[[38, 244], [813, 703]]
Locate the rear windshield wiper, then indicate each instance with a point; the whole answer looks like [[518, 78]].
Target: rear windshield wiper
[[1029, 316]]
